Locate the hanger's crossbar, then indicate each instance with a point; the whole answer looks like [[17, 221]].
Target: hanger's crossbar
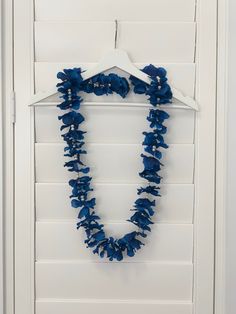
[[120, 105], [188, 102]]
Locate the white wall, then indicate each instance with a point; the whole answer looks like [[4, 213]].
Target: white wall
[[231, 171]]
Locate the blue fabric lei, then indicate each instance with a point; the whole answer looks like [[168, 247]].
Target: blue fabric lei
[[159, 93]]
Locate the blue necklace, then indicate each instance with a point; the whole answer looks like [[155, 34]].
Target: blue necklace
[[159, 93]]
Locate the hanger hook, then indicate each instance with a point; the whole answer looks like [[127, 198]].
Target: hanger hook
[[116, 32]]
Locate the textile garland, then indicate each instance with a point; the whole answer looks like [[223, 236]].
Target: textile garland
[[159, 93]]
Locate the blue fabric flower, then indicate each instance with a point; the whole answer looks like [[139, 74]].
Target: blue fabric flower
[[70, 78], [159, 90], [140, 87], [151, 176], [151, 189], [71, 118], [102, 84]]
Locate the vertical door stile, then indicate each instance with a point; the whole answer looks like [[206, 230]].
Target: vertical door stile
[[24, 205], [205, 163]]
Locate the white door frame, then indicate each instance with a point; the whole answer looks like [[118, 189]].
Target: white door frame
[[7, 242], [1, 171], [221, 157], [7, 158]]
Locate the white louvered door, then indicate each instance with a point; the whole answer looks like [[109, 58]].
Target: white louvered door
[[54, 272]]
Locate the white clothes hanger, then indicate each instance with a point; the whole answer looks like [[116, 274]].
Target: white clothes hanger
[[118, 58]]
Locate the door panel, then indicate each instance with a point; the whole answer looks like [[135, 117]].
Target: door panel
[[53, 245], [155, 10], [168, 282], [180, 125], [54, 271], [175, 205], [116, 163], [63, 42], [179, 74], [74, 307]]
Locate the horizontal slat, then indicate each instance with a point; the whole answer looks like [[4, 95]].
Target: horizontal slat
[[175, 205], [88, 41], [132, 10], [181, 76], [103, 307], [62, 241], [92, 280], [113, 125], [114, 163]]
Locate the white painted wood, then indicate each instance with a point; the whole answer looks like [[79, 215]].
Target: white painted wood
[[90, 10], [143, 281], [62, 241], [114, 163], [2, 301], [223, 69], [175, 205], [54, 41], [44, 306], [117, 127], [205, 162], [23, 167], [8, 155], [180, 75]]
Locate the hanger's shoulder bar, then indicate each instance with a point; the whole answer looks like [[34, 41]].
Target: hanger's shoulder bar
[[36, 98], [188, 101]]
